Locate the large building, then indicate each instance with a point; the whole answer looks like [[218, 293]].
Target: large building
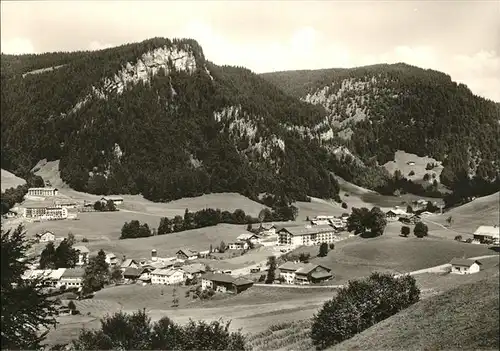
[[309, 235], [487, 234], [224, 283], [303, 273], [43, 212], [169, 276], [42, 192]]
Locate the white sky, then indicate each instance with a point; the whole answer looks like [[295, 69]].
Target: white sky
[[460, 38]]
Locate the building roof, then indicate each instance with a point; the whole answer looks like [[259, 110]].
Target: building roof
[[166, 272], [309, 267], [291, 266], [194, 268], [81, 248], [131, 271], [44, 188], [463, 262], [113, 198], [73, 273], [488, 230], [39, 235], [110, 255], [317, 229], [321, 275], [397, 211], [128, 262], [188, 252], [241, 282], [246, 236], [218, 277], [267, 226]]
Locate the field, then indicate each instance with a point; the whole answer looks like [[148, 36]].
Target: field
[[9, 180], [400, 162]]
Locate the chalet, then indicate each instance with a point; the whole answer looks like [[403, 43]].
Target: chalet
[[224, 283], [115, 199], [410, 163], [320, 222], [111, 259], [395, 214], [253, 238], [10, 214], [169, 276], [129, 263], [303, 273], [187, 254], [50, 277], [133, 274], [194, 270], [464, 266], [486, 234], [83, 255], [267, 229], [311, 235], [409, 218], [238, 245], [45, 237], [72, 278], [42, 192]]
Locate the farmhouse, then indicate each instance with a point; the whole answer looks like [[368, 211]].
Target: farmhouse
[[42, 192], [129, 263], [238, 245], [83, 255], [267, 229], [133, 274], [45, 237], [465, 266], [303, 273], [254, 239], [65, 203], [168, 276], [224, 283], [297, 236], [72, 278], [111, 259], [486, 234], [115, 199], [395, 214], [187, 254], [194, 270], [409, 218], [10, 214]]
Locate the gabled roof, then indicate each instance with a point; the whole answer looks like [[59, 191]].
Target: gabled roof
[[241, 282], [39, 235], [309, 267], [291, 266], [397, 211], [194, 268], [131, 271], [488, 230], [321, 275], [188, 252], [81, 248], [128, 262], [73, 273], [110, 255], [246, 236], [463, 262], [317, 229], [267, 226], [165, 272], [112, 198], [218, 277]]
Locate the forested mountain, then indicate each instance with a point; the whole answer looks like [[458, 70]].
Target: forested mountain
[[157, 118], [380, 109]]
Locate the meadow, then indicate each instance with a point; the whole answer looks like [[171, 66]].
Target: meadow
[[9, 180]]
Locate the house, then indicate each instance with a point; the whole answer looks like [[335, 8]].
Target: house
[[169, 276], [55, 213], [63, 310], [395, 214], [338, 223], [50, 277], [55, 276], [72, 278], [111, 259], [238, 245], [410, 163], [409, 218], [486, 234], [42, 192], [464, 266], [115, 199], [309, 235], [129, 263], [253, 238], [133, 274], [10, 214], [320, 222], [224, 283], [187, 254], [303, 273], [194, 270], [267, 229], [83, 255], [66, 203], [45, 237]]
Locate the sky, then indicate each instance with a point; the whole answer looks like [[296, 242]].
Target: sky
[[460, 38]]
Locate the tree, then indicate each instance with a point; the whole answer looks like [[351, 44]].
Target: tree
[[271, 272], [377, 221], [188, 220], [96, 273], [449, 220], [26, 309], [222, 247], [98, 206], [110, 206], [360, 305], [323, 250], [405, 231], [331, 246], [263, 214], [71, 239], [66, 256], [175, 298], [48, 257], [116, 275], [357, 221], [71, 306], [249, 227], [420, 230], [412, 173], [458, 238], [426, 177], [178, 224], [409, 209], [344, 205], [165, 226]]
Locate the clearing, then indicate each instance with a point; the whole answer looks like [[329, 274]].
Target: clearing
[[9, 180], [401, 160]]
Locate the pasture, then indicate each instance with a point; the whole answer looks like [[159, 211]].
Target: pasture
[[401, 159], [9, 180]]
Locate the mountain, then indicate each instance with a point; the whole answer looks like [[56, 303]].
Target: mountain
[[157, 118], [380, 109]]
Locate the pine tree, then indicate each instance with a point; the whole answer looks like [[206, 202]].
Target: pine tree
[[66, 256], [96, 273], [48, 257]]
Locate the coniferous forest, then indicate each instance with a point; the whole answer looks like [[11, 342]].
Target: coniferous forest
[[225, 129]]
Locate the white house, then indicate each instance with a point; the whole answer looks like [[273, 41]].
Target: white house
[[312, 235], [303, 273], [45, 237], [487, 234], [253, 238], [169, 276], [395, 214], [187, 254], [83, 255], [117, 200], [111, 259], [129, 263], [42, 192], [72, 278], [194, 270], [267, 229], [464, 266], [238, 245]]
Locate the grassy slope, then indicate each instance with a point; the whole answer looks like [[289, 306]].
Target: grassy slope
[[9, 180], [466, 317]]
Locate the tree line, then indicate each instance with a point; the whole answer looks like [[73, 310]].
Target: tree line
[[12, 196]]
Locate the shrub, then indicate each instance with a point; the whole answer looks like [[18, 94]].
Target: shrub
[[346, 194], [323, 250], [427, 177], [458, 238], [412, 173], [344, 205], [405, 231], [85, 240], [360, 305], [331, 246], [71, 305], [420, 230]]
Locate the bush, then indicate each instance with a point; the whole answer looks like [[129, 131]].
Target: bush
[[458, 238], [405, 231], [344, 205], [412, 173], [71, 305], [85, 240], [331, 246], [360, 305], [420, 230], [426, 177], [323, 250]]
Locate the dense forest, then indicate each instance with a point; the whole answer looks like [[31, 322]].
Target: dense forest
[[387, 108], [157, 118]]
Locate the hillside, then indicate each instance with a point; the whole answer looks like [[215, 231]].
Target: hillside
[[157, 118], [9, 180], [464, 318], [381, 109]]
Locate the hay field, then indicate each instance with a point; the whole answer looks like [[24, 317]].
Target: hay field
[[9, 180], [400, 162]]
